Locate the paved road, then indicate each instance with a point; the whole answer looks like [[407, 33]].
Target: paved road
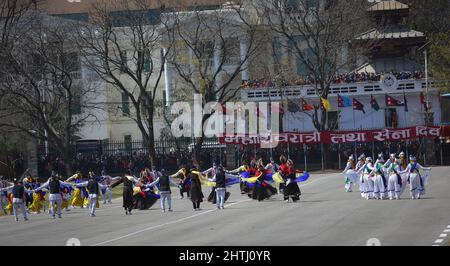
[[326, 215]]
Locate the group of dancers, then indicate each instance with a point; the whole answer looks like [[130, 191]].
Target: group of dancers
[[258, 180], [386, 179], [28, 195]]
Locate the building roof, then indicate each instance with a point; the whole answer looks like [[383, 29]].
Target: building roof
[[387, 5], [391, 33]]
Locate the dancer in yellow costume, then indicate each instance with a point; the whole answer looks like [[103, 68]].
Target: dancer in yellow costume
[[77, 199]]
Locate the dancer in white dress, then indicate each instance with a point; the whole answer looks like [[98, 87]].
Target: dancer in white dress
[[358, 169], [394, 180], [350, 174], [367, 178], [379, 179], [416, 181]]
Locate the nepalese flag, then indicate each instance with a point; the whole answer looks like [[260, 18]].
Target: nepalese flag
[[423, 101], [390, 101], [344, 101], [306, 106], [374, 103], [357, 105]]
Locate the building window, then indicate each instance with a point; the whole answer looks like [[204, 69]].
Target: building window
[[333, 120], [391, 118], [125, 104], [123, 61], [144, 59]]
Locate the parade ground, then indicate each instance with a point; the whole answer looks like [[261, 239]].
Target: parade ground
[[326, 216]]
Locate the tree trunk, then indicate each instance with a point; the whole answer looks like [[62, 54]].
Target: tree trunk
[[68, 161], [151, 139], [198, 150]]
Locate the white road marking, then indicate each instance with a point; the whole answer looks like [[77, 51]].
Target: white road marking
[[447, 231], [448, 226], [164, 224], [443, 235], [438, 241]]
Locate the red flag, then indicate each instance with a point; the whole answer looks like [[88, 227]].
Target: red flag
[[357, 105], [306, 106], [422, 98], [390, 101]]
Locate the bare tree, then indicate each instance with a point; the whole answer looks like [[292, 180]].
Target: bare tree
[[318, 35], [123, 48], [210, 50], [41, 91], [11, 11]]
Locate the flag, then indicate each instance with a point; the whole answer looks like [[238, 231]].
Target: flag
[[423, 101], [374, 103], [405, 102], [357, 105], [390, 101], [325, 103], [306, 106], [344, 101]]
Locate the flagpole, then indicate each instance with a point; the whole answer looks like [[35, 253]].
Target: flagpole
[[354, 123], [304, 155]]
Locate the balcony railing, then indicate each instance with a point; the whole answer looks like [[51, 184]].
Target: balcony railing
[[353, 89]]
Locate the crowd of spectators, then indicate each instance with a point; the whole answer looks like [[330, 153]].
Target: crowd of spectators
[[117, 164], [352, 77]]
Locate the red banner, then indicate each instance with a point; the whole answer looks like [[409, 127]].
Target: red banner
[[397, 134]]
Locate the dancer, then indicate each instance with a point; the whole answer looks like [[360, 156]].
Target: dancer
[[53, 184], [106, 181], [359, 171], [4, 194], [292, 190], [272, 167], [77, 199], [402, 164], [211, 172], [165, 193], [283, 168], [184, 184], [128, 182], [350, 174], [19, 196], [220, 188], [28, 184], [196, 188], [261, 189], [91, 175], [38, 198], [416, 182], [245, 167], [93, 187], [395, 180], [379, 180], [367, 178]]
